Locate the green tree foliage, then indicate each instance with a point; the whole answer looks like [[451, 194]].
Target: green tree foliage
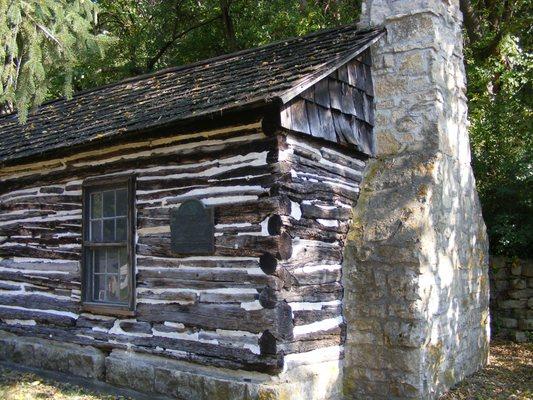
[[154, 34], [41, 42], [500, 67]]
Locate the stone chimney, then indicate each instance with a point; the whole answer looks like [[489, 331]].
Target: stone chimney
[[415, 276]]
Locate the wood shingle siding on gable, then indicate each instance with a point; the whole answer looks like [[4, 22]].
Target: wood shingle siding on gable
[[270, 294], [338, 108]]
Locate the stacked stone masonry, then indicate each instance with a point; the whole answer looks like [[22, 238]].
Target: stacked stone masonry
[[165, 377], [511, 298], [416, 298]]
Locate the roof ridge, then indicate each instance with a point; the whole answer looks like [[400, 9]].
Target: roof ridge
[[194, 64]]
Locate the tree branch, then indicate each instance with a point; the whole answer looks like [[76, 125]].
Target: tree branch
[[153, 60]]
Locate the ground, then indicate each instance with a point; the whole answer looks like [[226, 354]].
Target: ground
[[16, 385], [509, 376]]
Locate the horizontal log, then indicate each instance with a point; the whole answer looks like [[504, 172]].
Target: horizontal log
[[42, 279], [50, 241], [40, 317], [304, 317], [326, 212], [315, 234], [135, 327], [163, 282], [309, 276], [148, 157], [28, 205], [241, 245], [8, 286], [337, 155], [242, 356], [335, 160], [309, 168], [60, 334], [204, 279], [304, 190], [43, 199], [184, 296], [303, 346], [197, 262], [166, 185], [313, 293], [39, 302], [212, 316], [36, 229], [253, 212], [40, 266], [99, 322], [37, 252], [309, 253]]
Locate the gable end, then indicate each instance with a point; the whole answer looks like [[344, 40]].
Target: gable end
[[338, 108]]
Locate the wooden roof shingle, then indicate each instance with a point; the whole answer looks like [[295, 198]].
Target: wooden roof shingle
[[275, 72]]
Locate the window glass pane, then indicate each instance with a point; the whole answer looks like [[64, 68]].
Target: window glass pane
[[99, 288], [99, 261], [124, 273], [96, 231], [109, 230], [96, 205], [124, 288], [112, 288], [112, 261], [109, 203], [122, 202], [121, 229], [123, 260]]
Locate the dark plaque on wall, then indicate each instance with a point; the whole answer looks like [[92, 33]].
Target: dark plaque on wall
[[192, 228]]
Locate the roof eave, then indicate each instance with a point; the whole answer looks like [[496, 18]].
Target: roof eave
[[258, 105], [310, 80]]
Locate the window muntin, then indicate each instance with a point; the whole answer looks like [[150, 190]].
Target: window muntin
[[108, 216], [108, 248], [110, 273]]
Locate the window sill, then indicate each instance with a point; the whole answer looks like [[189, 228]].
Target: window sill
[[104, 309]]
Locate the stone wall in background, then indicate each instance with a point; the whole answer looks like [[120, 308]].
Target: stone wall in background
[[511, 298], [416, 262]]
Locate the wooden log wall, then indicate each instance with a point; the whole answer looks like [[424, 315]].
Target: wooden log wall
[[270, 296], [203, 308], [338, 108], [320, 182]]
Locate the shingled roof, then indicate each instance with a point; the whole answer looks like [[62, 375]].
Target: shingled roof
[[275, 72]]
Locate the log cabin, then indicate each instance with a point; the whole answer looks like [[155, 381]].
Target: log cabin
[[191, 219]]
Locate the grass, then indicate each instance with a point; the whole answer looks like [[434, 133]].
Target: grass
[[509, 376], [16, 385]]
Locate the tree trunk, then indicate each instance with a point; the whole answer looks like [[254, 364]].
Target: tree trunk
[[227, 24]]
